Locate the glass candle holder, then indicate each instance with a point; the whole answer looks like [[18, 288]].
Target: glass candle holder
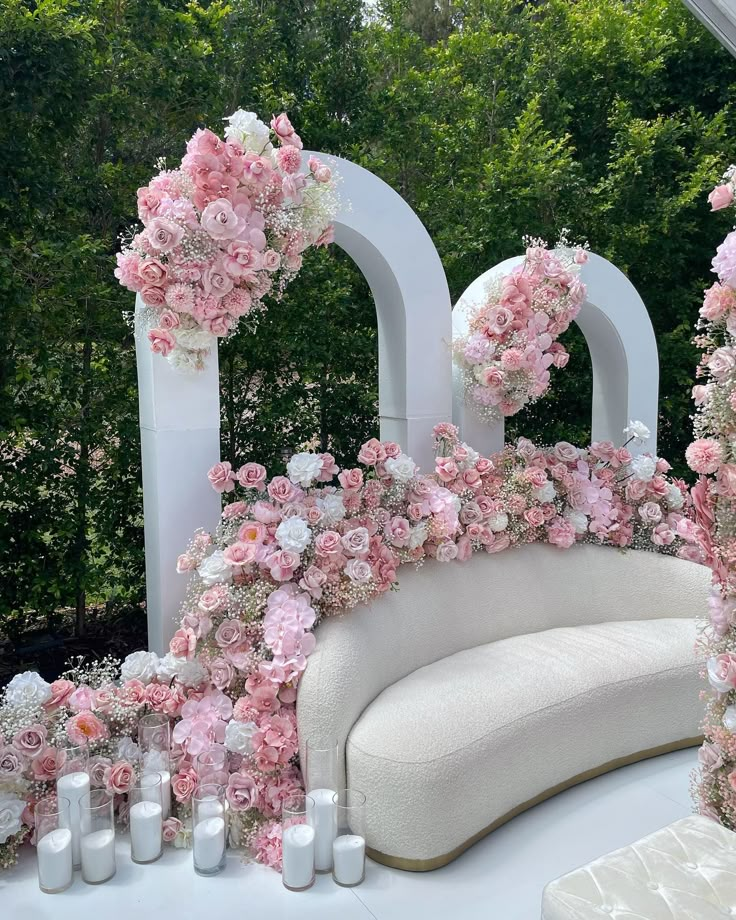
[[321, 778], [212, 767], [348, 847], [208, 828], [146, 819], [97, 814], [297, 839], [53, 844], [154, 741], [72, 783]]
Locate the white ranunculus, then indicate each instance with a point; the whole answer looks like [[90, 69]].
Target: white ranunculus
[[128, 750], [401, 468], [214, 570], [637, 430], [140, 666], [498, 521], [675, 499], [577, 520], [27, 689], [418, 536], [729, 718], [332, 507], [248, 128], [190, 673], [294, 534], [304, 468], [11, 808], [644, 467], [239, 737], [546, 493]]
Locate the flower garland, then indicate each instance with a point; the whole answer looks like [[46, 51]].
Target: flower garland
[[222, 230], [512, 339], [287, 552], [713, 456]]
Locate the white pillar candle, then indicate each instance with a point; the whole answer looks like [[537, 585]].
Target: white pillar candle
[[209, 843], [146, 828], [54, 853], [322, 817], [348, 853], [152, 796], [73, 786], [298, 856], [98, 856]]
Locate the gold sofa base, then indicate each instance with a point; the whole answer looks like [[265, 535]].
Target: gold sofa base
[[426, 865]]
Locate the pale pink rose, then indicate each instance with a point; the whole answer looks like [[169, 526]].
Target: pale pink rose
[[710, 757], [727, 480], [221, 673], [241, 554], [271, 260], [700, 394], [11, 763], [229, 633], [650, 513], [446, 551], [183, 784], [213, 600], [356, 542], [98, 767], [169, 320], [704, 455], [565, 452], [722, 362], [328, 543], [234, 509], [499, 321], [371, 453], [662, 535], [358, 571], [471, 479], [282, 564], [446, 469], [162, 341], [722, 672], [183, 644], [82, 698], [720, 197], [119, 777], [399, 531], [220, 221], [152, 272], [61, 690], [281, 125], [281, 489], [323, 174], [241, 792], [718, 300], [216, 281], [132, 693], [163, 235], [185, 563], [86, 728], [534, 517], [47, 764], [157, 696], [251, 476], [351, 479], [635, 490], [171, 828], [31, 740], [221, 477]]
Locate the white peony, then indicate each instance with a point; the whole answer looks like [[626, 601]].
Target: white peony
[[11, 808], [546, 493], [248, 128], [167, 668], [644, 467], [190, 673], [27, 689], [304, 468], [675, 499], [294, 534], [140, 666], [418, 536], [215, 570], [332, 507], [401, 468], [729, 718], [577, 520], [239, 737], [498, 521], [637, 430]]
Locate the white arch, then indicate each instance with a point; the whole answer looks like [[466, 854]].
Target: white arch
[[180, 415], [623, 351]]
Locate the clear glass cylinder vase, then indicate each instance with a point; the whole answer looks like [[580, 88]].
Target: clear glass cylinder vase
[[145, 814], [97, 821], [53, 844], [209, 829], [154, 741], [348, 847], [297, 843]]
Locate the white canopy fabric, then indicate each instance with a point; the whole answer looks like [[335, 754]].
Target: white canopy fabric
[[719, 16]]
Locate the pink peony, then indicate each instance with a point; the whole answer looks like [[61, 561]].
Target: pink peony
[[86, 728], [561, 533]]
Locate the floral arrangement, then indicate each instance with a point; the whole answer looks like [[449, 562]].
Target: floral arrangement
[[225, 228], [712, 455], [288, 551], [512, 339]]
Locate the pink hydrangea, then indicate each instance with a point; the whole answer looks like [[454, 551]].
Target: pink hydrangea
[[704, 455]]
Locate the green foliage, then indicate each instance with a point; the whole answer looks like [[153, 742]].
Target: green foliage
[[493, 118]]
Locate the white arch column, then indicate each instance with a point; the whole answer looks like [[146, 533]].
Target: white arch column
[[180, 414], [623, 351]]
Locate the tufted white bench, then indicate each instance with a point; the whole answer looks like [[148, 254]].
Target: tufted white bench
[[480, 689], [686, 871]]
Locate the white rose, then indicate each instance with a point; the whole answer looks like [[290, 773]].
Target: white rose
[[722, 686], [675, 499], [729, 718], [294, 535], [190, 673], [418, 536], [248, 128], [546, 493], [472, 458], [498, 521], [238, 737], [128, 750], [167, 668], [400, 468], [27, 689], [650, 513], [11, 808], [214, 569], [304, 468], [332, 507], [358, 571], [577, 520], [644, 467], [637, 430], [140, 666]]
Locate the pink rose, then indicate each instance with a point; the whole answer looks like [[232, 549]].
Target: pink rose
[[220, 221], [281, 125], [47, 764], [152, 272], [281, 489], [328, 543], [251, 476], [720, 197], [61, 690], [446, 469], [323, 174], [241, 792], [157, 696], [351, 479], [650, 513], [169, 320], [534, 517], [119, 777], [31, 740], [216, 281], [221, 477], [282, 564], [399, 531], [171, 827], [371, 453], [446, 551], [241, 554], [722, 672], [163, 235], [183, 784], [153, 296], [229, 633], [162, 341], [98, 768], [82, 698], [356, 542], [11, 763], [183, 644], [221, 673]]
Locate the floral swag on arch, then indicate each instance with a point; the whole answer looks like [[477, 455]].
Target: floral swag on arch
[[288, 551]]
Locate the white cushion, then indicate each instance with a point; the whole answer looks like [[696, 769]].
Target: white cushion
[[448, 750], [686, 871]]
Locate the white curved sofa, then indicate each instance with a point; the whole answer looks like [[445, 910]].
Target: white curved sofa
[[479, 689]]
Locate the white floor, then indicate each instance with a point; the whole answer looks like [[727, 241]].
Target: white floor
[[500, 878]]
